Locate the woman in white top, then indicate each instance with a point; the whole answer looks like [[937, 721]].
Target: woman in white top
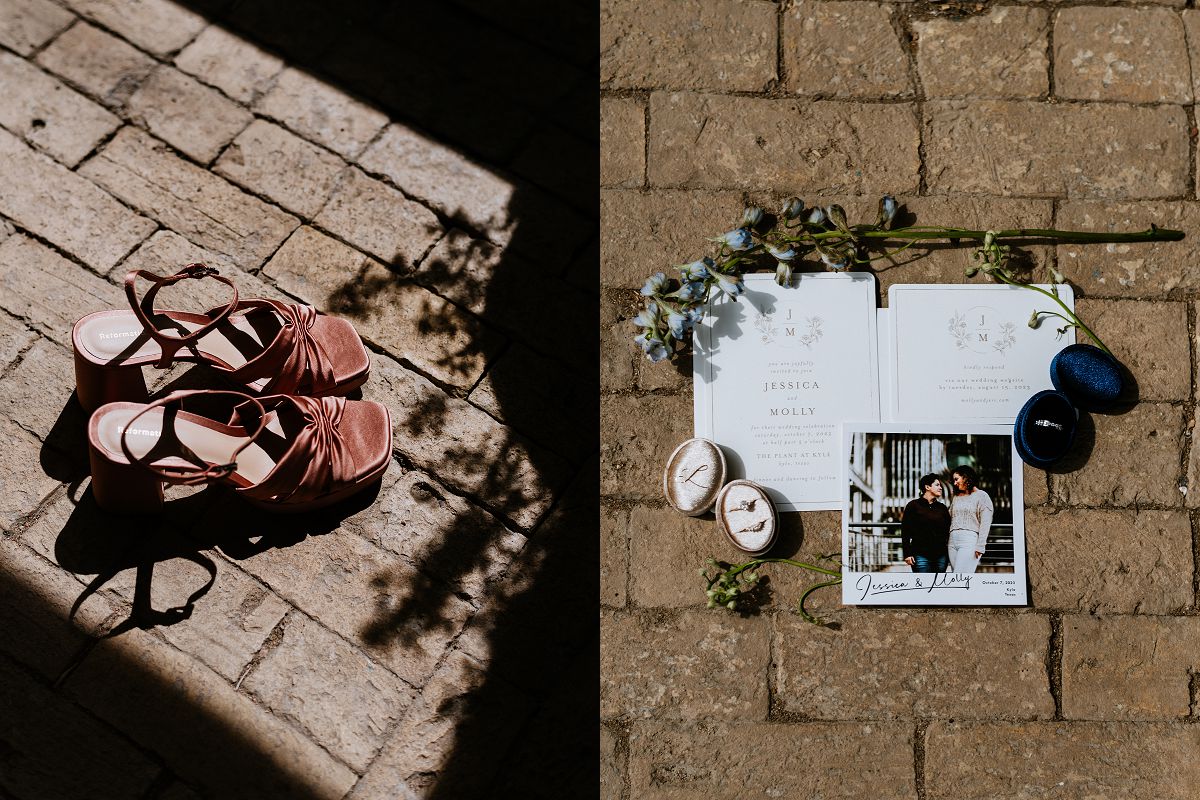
[[970, 521]]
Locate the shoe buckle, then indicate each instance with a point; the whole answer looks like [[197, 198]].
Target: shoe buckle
[[198, 271]]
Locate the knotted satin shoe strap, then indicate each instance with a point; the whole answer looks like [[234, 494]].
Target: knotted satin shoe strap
[[293, 362], [318, 460], [188, 476], [144, 309]]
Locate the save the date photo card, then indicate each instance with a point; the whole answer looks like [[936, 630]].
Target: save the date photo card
[[932, 515], [777, 371], [968, 353]]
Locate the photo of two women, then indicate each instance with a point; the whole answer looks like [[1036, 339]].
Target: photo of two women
[[930, 503]]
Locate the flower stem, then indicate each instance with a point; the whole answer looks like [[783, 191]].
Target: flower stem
[[1070, 315], [1154, 234]]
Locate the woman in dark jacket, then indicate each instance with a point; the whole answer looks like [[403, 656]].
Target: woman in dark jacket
[[925, 529]]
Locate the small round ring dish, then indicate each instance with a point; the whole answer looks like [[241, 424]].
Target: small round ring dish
[[747, 516], [694, 475]]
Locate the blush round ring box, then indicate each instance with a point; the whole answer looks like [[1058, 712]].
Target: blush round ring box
[[747, 516], [694, 475]]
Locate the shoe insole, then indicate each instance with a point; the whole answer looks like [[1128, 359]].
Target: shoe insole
[[212, 442], [119, 337]]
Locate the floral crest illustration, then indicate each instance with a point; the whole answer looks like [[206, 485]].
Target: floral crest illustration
[[813, 334], [958, 330], [1008, 337], [766, 327]]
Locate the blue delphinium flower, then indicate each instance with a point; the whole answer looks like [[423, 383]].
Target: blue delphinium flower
[[647, 317], [783, 273], [654, 349], [835, 261], [887, 210], [732, 285], [682, 322], [752, 216], [691, 291], [781, 253], [792, 208], [697, 270], [654, 284], [816, 217], [737, 239]]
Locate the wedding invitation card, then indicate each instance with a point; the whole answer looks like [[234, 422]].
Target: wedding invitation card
[[777, 371], [932, 515], [967, 352]]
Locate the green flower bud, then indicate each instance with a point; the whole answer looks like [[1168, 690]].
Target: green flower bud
[[731, 605]]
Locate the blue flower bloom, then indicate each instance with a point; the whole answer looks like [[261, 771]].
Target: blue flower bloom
[[783, 273], [647, 317], [781, 253], [816, 217], [654, 284], [692, 290], [752, 216], [836, 261], [792, 208], [697, 270], [682, 322], [732, 285], [887, 210], [737, 239], [654, 349]]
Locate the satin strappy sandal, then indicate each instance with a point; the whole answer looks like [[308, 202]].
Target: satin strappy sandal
[[267, 346], [282, 453]]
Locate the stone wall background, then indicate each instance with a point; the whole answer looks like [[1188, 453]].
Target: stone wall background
[[1073, 115]]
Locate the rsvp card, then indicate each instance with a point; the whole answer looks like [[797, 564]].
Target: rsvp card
[[776, 373], [967, 353]]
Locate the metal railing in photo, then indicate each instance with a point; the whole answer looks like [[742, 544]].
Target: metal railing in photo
[[876, 547]]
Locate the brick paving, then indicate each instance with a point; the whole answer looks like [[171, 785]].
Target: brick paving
[[984, 114], [429, 639]]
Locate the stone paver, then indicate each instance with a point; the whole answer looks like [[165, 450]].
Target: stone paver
[[1126, 270], [987, 665], [1001, 53], [48, 114], [1150, 339], [159, 26], [616, 328], [380, 220], [1137, 55], [330, 689], [23, 483], [189, 200], [51, 201], [1034, 149], [1109, 561], [643, 44], [439, 532], [268, 160], [640, 433], [622, 142], [612, 769], [1149, 436], [844, 49], [614, 556], [691, 665], [321, 113], [230, 63], [387, 309], [48, 291], [14, 337], [465, 447], [186, 114], [106, 766], [206, 731], [108, 68], [444, 179], [722, 142], [27, 24], [840, 759], [1151, 679], [1080, 760]]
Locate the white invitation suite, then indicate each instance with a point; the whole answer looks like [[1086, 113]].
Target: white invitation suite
[[778, 371], [967, 353]]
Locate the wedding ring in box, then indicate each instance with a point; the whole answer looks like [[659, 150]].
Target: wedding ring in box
[[695, 473], [747, 516]]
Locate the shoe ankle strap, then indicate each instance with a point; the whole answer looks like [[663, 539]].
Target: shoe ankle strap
[[183, 475], [144, 309]]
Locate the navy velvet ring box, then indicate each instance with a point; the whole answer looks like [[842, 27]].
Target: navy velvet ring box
[[1084, 377]]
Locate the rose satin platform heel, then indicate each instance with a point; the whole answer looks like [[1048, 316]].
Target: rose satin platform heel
[[281, 453], [267, 346]]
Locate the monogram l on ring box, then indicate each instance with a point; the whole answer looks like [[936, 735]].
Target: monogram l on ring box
[[830, 403]]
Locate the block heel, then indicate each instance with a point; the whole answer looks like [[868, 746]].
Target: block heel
[[124, 488], [97, 384]]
